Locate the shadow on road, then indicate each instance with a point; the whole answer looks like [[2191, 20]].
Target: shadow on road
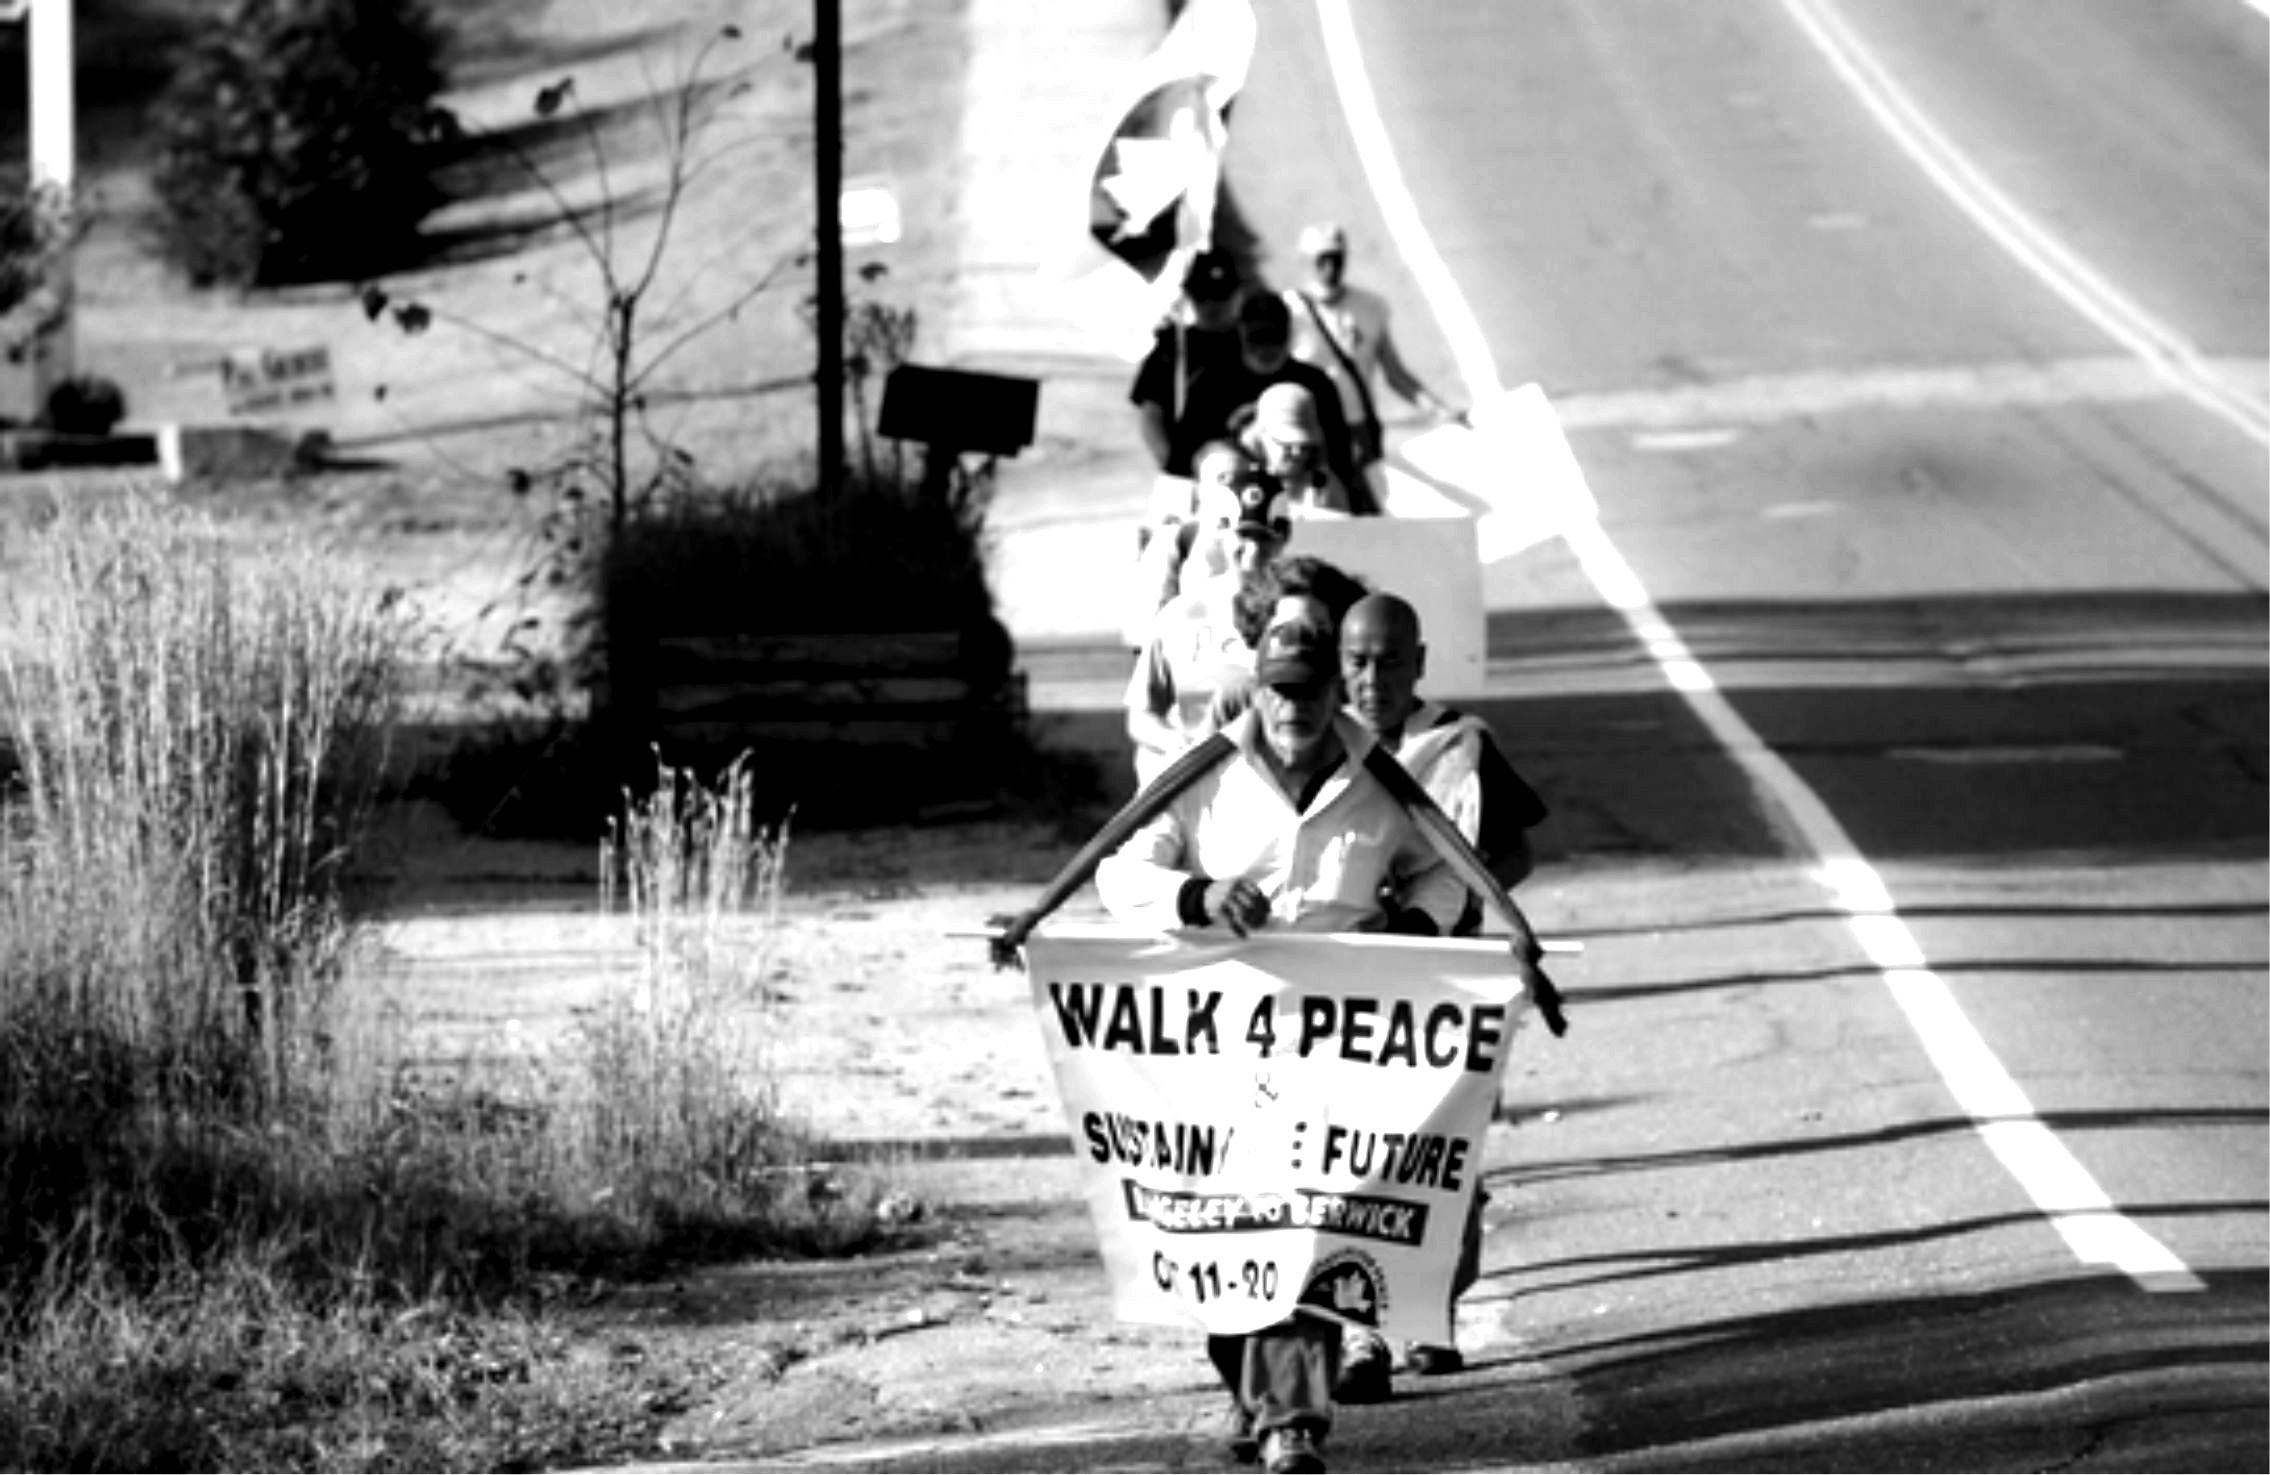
[[1530, 1171], [2101, 723], [2089, 1371]]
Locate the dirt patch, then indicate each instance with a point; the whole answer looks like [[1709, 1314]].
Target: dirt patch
[[887, 1029], [892, 1038]]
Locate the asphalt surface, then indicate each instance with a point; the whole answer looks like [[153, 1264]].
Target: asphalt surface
[[1859, 319]]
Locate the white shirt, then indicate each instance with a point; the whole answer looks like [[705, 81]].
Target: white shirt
[[1358, 319], [1447, 762], [1321, 868]]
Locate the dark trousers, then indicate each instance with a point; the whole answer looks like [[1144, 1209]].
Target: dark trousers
[[1281, 1376]]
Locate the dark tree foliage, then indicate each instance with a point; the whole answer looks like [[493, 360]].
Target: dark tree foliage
[[86, 404], [291, 141]]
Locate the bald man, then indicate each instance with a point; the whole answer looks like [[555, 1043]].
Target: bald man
[[1456, 760], [1454, 756]]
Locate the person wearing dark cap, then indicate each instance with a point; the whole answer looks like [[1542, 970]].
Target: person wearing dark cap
[[1191, 354], [1344, 330], [1195, 645], [1291, 831], [1293, 584]]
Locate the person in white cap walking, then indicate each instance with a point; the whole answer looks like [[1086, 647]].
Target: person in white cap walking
[[1344, 330]]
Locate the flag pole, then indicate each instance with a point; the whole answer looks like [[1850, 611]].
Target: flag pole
[[827, 178]]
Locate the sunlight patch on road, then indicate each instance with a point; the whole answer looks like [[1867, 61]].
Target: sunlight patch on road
[[2043, 753], [1512, 468], [1705, 438]]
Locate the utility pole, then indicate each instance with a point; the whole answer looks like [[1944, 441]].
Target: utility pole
[[827, 170], [54, 156]]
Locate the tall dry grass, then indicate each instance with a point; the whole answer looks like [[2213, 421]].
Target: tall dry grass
[[679, 1070], [200, 738], [227, 1192]]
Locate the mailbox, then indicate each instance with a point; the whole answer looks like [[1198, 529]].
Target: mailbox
[[956, 410]]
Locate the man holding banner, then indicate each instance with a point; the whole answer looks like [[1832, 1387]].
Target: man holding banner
[[1282, 1130]]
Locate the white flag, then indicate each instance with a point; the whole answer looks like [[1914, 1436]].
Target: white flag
[[1151, 199]]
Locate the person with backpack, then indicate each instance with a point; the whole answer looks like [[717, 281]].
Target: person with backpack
[[1454, 755], [1456, 759]]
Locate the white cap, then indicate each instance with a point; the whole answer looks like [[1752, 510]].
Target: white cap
[[1287, 413]]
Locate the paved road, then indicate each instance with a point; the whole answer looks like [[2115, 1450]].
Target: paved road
[[1914, 354]]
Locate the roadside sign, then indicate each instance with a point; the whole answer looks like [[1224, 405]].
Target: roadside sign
[[256, 381]]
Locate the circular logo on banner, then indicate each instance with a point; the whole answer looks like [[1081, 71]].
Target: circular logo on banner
[[1347, 1285]]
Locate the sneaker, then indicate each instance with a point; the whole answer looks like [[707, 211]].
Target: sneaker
[[1436, 1362], [1366, 1371], [1237, 1429], [1291, 1452]]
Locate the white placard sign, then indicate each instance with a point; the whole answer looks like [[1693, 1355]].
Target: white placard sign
[[257, 381], [1431, 561]]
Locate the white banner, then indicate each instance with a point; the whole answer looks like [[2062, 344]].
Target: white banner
[[1278, 1123]]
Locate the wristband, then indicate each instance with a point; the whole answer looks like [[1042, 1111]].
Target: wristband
[[1190, 902]]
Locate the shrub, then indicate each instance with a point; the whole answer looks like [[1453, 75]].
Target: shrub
[[290, 141], [243, 1225], [763, 559], [867, 561], [85, 404], [870, 559]]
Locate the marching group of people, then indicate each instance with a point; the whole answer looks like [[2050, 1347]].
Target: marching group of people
[[1264, 683]]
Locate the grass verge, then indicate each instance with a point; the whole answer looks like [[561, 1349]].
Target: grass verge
[[238, 1229]]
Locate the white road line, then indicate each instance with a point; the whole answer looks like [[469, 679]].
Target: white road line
[[1464, 334], [2093, 1228], [2032, 245]]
